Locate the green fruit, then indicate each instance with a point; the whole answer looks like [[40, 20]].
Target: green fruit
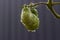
[[29, 18], [34, 11]]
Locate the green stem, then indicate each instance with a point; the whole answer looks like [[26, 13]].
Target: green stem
[[35, 4], [55, 3], [45, 3], [49, 4], [54, 12]]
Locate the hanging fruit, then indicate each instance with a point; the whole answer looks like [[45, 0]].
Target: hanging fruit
[[29, 14], [29, 18]]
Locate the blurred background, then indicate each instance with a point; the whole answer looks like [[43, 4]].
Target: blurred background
[[12, 29]]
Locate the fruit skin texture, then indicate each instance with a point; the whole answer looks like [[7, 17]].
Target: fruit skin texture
[[29, 18]]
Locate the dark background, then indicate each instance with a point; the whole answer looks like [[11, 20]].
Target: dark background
[[12, 29]]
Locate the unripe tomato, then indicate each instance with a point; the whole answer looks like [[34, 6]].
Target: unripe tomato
[[29, 18]]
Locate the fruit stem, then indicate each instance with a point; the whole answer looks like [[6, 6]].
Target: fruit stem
[[49, 4]]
